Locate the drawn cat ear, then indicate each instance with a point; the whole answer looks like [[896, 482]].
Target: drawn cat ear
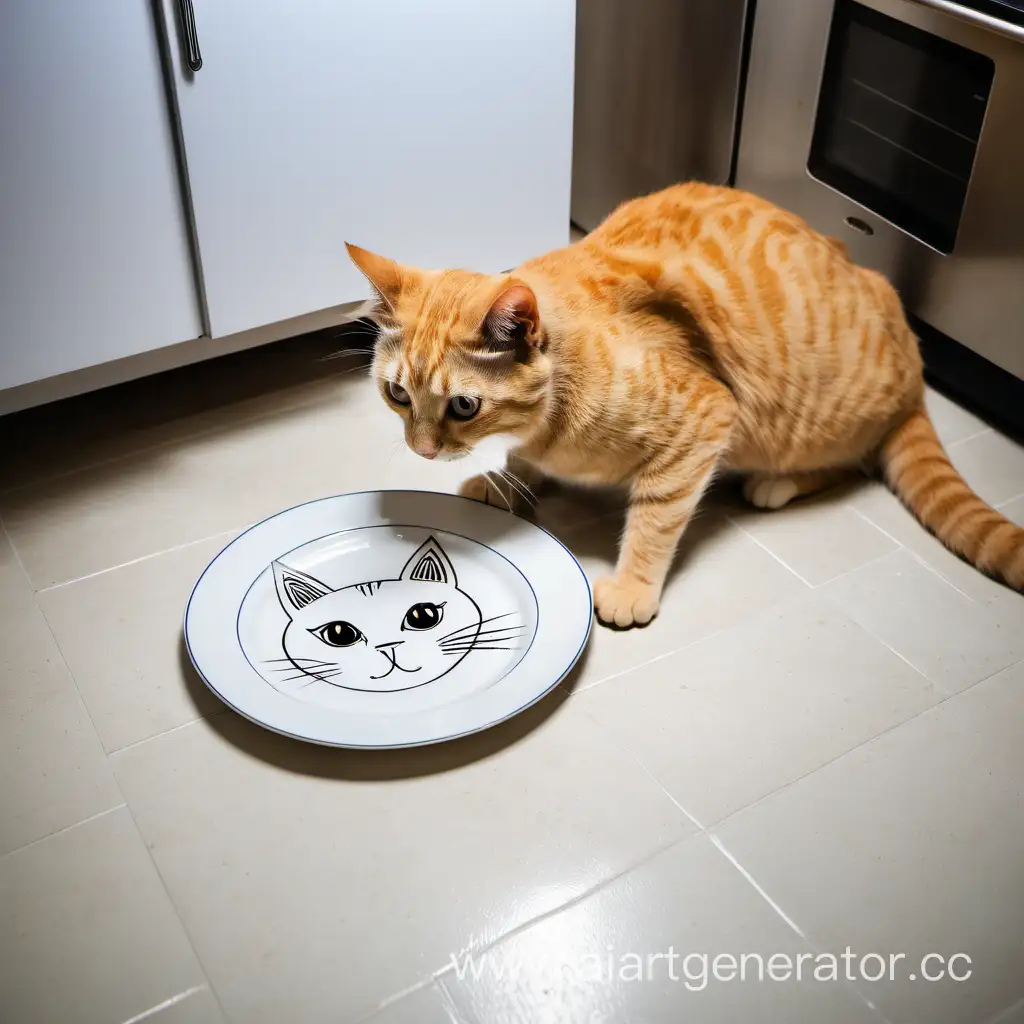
[[512, 323], [296, 589], [429, 564]]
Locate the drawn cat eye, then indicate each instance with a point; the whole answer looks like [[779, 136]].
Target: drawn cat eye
[[423, 616], [338, 634], [463, 407], [398, 393]]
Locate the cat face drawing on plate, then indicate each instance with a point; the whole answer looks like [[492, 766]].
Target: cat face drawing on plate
[[384, 635]]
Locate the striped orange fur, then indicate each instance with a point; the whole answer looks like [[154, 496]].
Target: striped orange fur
[[696, 329]]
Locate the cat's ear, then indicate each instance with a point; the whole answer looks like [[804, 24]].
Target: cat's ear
[[512, 323], [296, 589], [386, 276], [429, 564]]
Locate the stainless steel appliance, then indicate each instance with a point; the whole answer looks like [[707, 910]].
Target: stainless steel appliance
[[898, 126], [657, 91]]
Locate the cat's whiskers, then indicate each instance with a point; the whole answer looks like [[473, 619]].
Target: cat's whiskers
[[520, 485], [501, 494], [342, 353]]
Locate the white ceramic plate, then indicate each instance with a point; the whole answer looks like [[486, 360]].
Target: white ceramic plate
[[387, 619]]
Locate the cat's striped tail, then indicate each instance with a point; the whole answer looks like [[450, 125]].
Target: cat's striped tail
[[918, 469]]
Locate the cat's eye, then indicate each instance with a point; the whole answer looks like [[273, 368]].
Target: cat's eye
[[338, 634], [398, 393], [423, 616], [463, 407]]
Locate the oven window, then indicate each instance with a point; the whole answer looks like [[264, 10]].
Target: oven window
[[898, 121]]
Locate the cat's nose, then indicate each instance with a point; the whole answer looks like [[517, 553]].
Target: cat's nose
[[388, 646], [428, 449]]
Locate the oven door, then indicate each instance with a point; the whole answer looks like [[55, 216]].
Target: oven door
[[897, 127]]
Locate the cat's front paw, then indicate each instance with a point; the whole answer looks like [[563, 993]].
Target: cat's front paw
[[625, 603], [480, 488]]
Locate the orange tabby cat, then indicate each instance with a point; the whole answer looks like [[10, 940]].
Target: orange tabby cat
[[698, 328]]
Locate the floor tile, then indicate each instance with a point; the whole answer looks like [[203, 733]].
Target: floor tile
[[117, 421], [886, 511], [914, 844], [51, 762], [951, 421], [196, 1007], [119, 511], [285, 859], [633, 952], [720, 577], [732, 718], [120, 633], [992, 464], [428, 1005], [819, 538], [89, 934], [953, 640], [1014, 510]]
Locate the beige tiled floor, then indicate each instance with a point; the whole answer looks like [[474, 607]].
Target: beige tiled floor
[[818, 745]]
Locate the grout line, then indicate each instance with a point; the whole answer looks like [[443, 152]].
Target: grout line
[[165, 1004], [167, 732], [397, 997], [881, 529], [66, 828], [1005, 1015], [836, 605], [970, 437], [632, 668], [758, 887], [919, 558], [756, 613], [177, 916], [617, 741], [856, 568], [76, 690], [449, 1001], [769, 551], [871, 739], [143, 558], [935, 572], [17, 556], [1009, 501], [567, 905], [816, 946]]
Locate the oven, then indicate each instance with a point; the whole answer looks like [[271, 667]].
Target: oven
[[898, 127]]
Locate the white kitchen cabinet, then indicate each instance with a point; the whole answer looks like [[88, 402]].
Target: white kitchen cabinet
[[94, 249], [436, 132]]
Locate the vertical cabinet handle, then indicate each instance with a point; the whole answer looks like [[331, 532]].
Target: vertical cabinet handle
[[193, 58]]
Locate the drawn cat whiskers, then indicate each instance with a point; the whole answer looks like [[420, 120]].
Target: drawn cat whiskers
[[476, 638]]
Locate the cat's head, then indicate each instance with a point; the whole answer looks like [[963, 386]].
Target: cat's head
[[461, 357], [383, 635]]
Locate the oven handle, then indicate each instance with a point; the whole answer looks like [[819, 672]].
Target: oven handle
[[997, 25]]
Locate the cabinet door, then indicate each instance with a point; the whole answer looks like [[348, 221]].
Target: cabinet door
[[94, 251], [436, 132]]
